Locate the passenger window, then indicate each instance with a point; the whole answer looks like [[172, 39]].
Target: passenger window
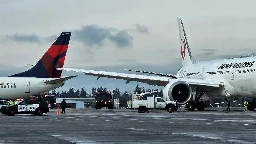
[[5, 86], [11, 86], [2, 87], [211, 72]]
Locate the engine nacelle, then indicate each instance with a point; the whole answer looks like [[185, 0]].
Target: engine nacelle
[[178, 91]]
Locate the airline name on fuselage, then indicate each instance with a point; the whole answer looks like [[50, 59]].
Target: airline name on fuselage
[[237, 65]]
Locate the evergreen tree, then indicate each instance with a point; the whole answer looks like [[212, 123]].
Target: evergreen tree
[[71, 92], [93, 91], [53, 92], [116, 93], [57, 94], [160, 93], [83, 93], [77, 93]]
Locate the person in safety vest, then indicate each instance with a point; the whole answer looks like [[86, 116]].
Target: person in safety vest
[[245, 105], [11, 102]]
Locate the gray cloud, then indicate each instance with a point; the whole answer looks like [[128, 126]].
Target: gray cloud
[[94, 35], [121, 39], [31, 38], [142, 29], [50, 38]]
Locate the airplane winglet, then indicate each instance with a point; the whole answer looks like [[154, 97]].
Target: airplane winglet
[[54, 81]]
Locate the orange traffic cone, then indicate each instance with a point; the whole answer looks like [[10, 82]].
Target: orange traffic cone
[[58, 111]]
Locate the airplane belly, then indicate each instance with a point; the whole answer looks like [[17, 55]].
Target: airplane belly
[[244, 87]]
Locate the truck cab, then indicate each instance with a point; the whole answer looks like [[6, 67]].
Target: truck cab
[[104, 99]]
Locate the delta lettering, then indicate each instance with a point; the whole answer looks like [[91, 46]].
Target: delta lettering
[[236, 65]]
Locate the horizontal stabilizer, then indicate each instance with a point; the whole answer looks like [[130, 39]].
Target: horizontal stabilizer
[[154, 73], [59, 80]]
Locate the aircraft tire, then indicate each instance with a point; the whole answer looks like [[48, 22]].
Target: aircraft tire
[[191, 106], [200, 106]]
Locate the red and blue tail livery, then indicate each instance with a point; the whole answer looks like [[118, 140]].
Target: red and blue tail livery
[[52, 59]]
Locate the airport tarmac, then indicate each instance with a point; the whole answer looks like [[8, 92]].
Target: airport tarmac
[[127, 126]]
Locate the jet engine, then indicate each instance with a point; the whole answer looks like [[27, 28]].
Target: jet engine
[[178, 91]]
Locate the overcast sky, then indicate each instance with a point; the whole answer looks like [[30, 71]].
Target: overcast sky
[[116, 34]]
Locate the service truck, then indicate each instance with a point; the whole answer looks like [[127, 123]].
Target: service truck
[[145, 101], [29, 105], [104, 99]]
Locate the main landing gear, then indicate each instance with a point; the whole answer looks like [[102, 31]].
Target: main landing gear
[[195, 102]]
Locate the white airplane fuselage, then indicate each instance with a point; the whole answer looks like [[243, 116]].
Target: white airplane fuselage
[[22, 87], [238, 75]]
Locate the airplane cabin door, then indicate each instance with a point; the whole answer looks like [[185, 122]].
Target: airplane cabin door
[[27, 87], [232, 76]]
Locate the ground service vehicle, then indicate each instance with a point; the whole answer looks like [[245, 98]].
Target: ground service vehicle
[[3, 103], [27, 106], [104, 99], [51, 100], [145, 101], [251, 104]]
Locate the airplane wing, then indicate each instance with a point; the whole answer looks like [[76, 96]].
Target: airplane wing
[[151, 80], [154, 73], [58, 80]]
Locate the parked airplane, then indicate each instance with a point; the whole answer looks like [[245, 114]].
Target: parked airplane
[[221, 77], [42, 77]]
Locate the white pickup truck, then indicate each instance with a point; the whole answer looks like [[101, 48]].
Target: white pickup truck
[[145, 101]]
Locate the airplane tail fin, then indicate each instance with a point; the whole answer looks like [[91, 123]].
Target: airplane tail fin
[[54, 58], [184, 49]]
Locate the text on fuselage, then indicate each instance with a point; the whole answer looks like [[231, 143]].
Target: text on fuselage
[[237, 65]]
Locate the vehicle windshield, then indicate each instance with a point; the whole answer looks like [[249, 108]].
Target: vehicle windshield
[[4, 102], [103, 96]]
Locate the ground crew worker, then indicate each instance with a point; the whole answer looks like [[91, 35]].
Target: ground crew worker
[[176, 104], [16, 102], [228, 108], [245, 105], [11, 102], [228, 104], [63, 106]]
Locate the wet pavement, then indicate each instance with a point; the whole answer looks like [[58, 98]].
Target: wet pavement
[[127, 126]]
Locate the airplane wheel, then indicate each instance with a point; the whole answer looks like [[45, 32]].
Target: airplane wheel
[[191, 106], [200, 106]]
